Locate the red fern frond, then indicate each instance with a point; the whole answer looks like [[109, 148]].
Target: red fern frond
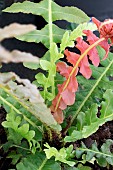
[[66, 91]]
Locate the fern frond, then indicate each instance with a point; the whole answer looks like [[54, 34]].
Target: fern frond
[[88, 122], [43, 35], [51, 33], [37, 161], [25, 100], [50, 11], [102, 156], [91, 91], [71, 14]]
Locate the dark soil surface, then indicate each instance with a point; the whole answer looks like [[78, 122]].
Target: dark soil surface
[[4, 163], [105, 132]]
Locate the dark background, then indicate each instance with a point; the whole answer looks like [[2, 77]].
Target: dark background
[[100, 9]]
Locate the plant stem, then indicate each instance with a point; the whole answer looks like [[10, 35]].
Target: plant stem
[[50, 22], [21, 147], [76, 66], [50, 46], [51, 42], [96, 152], [43, 163]]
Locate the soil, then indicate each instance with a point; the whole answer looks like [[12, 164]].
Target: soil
[[4, 163], [105, 132]]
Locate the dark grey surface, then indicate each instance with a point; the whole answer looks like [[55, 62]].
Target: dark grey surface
[[101, 9]]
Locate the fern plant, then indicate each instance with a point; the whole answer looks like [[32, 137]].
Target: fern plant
[[49, 36], [33, 117]]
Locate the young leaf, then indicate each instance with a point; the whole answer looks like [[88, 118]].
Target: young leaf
[[61, 155], [78, 32], [45, 65], [54, 53], [48, 81], [66, 42]]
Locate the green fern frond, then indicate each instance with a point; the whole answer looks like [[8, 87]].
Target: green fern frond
[[102, 156], [88, 122], [24, 100], [71, 14], [37, 161]]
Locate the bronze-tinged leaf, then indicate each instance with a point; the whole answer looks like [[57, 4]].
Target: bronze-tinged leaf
[[29, 100], [16, 56], [15, 29]]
